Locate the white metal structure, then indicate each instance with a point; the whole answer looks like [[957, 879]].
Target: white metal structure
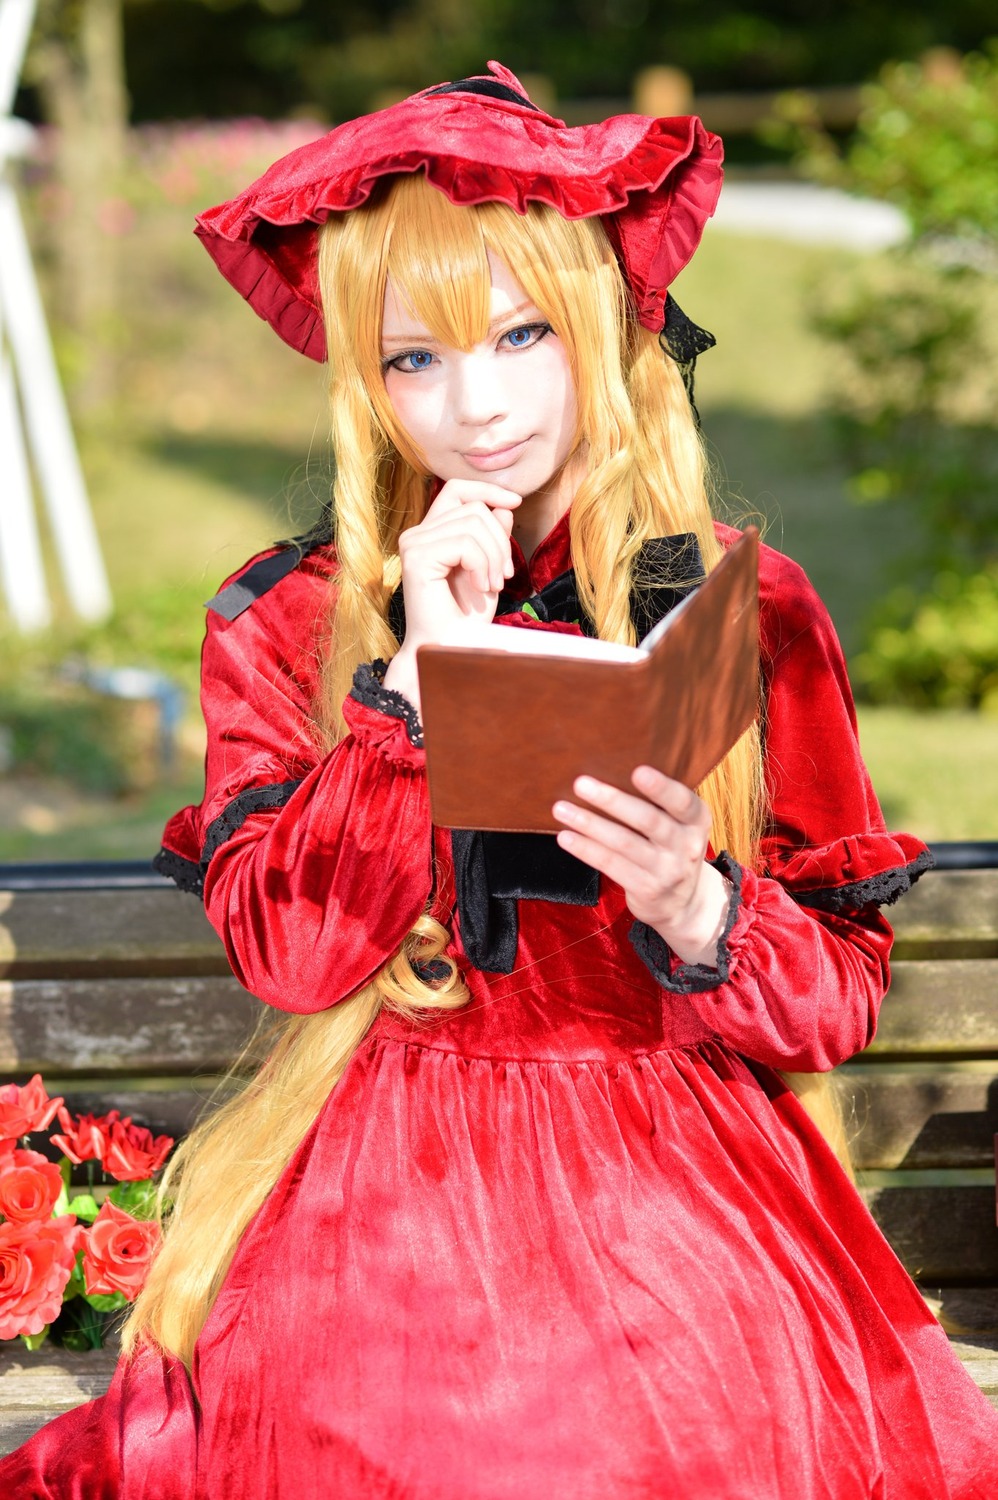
[[33, 415]]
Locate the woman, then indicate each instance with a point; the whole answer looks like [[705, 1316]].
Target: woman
[[518, 1204]]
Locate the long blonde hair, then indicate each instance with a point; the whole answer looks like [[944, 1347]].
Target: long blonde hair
[[645, 477]]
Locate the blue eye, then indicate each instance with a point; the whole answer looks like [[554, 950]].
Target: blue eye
[[410, 361], [525, 336]]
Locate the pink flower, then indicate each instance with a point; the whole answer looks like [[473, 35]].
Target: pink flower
[[133, 1154], [23, 1110], [118, 1252], [87, 1139], [36, 1261], [29, 1186]]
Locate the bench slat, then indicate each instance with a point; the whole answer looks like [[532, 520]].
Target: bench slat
[[920, 1120], [132, 1026], [940, 1006], [949, 912], [143, 932], [940, 1234], [35, 1388]]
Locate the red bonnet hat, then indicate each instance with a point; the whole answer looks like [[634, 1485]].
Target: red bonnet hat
[[653, 183]]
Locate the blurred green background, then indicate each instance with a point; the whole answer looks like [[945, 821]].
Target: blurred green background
[[849, 403]]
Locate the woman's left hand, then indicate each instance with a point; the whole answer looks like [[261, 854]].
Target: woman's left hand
[[654, 846]]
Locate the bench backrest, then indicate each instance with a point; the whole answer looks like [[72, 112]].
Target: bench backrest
[[122, 998]]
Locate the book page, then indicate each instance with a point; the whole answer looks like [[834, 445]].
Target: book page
[[517, 641]]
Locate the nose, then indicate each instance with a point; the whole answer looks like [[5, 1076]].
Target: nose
[[477, 390]]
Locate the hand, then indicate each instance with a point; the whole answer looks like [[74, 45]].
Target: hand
[[454, 564], [654, 846]]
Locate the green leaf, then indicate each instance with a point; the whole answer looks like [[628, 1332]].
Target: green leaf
[[84, 1206], [106, 1303], [34, 1341], [136, 1198], [62, 1202], [75, 1286]]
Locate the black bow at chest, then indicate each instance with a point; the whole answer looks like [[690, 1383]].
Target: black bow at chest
[[493, 871]]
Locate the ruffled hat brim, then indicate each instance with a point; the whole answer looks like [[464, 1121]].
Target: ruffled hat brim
[[653, 183]]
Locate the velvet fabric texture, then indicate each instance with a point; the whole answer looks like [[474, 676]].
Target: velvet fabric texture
[[577, 1238], [654, 184]]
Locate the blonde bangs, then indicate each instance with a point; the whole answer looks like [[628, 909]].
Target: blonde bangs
[[437, 263]]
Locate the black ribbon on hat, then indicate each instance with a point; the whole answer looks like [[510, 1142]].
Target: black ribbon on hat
[[683, 341], [493, 871]]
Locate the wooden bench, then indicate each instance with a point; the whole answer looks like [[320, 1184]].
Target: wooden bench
[[113, 986]]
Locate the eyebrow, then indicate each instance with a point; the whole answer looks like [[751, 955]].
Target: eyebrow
[[422, 337]]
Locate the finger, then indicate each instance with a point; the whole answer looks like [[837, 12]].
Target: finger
[[633, 879], [673, 797], [614, 837], [476, 518], [458, 492], [435, 548], [636, 812]]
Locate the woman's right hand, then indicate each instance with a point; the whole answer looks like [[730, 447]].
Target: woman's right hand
[[454, 564]]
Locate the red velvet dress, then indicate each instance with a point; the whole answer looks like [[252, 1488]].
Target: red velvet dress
[[576, 1239]]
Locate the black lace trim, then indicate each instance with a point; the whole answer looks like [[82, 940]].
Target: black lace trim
[[878, 890], [234, 814], [183, 872], [691, 979], [369, 689]]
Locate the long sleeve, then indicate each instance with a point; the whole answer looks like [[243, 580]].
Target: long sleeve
[[314, 866], [803, 965]]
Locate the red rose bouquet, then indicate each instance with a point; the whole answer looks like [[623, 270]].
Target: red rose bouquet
[[71, 1259]]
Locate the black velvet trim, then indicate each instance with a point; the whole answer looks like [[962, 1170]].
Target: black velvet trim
[[668, 568], [396, 614], [433, 970], [877, 890], [369, 689], [691, 979], [237, 597], [493, 871], [490, 925], [234, 814], [184, 873], [534, 867], [491, 88]]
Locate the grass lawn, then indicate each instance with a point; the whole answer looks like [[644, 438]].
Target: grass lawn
[[217, 446]]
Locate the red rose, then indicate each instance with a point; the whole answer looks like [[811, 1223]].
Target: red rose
[[118, 1252], [23, 1110], [86, 1139], [133, 1154], [29, 1186], [36, 1261]]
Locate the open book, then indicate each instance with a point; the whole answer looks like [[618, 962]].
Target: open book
[[511, 717]]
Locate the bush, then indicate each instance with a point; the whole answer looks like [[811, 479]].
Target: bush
[[926, 139], [939, 650], [914, 408]]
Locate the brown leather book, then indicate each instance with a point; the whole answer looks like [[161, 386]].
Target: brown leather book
[[510, 723]]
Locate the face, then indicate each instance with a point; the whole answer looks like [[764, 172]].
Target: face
[[504, 411]]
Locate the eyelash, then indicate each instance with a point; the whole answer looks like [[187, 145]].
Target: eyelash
[[395, 362]]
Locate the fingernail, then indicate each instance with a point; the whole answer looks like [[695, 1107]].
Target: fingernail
[[566, 839]]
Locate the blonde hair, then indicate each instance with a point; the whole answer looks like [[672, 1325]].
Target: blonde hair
[[644, 477]]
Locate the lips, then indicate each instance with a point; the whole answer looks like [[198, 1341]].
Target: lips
[[495, 458]]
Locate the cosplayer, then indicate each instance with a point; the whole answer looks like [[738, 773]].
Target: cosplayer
[[520, 1203]]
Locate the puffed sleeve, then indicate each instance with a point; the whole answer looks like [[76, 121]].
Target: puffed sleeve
[[314, 866], [803, 962]]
